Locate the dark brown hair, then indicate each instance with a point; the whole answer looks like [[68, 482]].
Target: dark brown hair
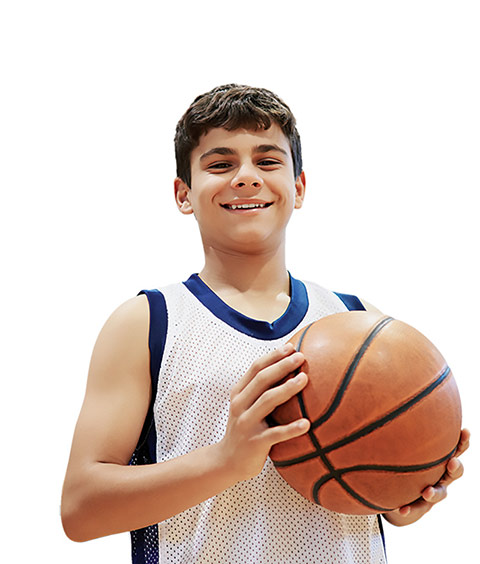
[[233, 106]]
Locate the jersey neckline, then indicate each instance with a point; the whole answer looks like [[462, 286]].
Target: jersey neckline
[[287, 322]]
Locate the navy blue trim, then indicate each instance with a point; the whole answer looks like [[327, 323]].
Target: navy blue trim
[[262, 330], [156, 344], [158, 332], [382, 533], [144, 541], [352, 302]]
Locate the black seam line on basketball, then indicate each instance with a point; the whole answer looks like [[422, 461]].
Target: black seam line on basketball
[[311, 434], [389, 416], [302, 336], [299, 396], [296, 372], [334, 473], [270, 419], [293, 461], [354, 494], [358, 497], [408, 469], [369, 428], [386, 468], [348, 376], [351, 371]]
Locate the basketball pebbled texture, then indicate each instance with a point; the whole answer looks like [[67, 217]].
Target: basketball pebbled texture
[[384, 409]]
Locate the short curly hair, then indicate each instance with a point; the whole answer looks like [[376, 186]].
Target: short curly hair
[[233, 106]]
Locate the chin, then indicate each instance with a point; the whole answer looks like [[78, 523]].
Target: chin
[[255, 243]]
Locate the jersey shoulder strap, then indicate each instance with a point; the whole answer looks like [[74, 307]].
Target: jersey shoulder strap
[[158, 331], [145, 453], [352, 302]]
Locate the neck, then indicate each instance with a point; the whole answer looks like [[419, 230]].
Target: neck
[[254, 273]]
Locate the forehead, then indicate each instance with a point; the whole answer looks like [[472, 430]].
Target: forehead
[[241, 140]]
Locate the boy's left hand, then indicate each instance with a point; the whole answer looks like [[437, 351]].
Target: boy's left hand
[[433, 494]]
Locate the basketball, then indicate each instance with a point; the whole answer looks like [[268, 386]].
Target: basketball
[[384, 409]]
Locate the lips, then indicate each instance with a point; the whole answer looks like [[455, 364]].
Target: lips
[[246, 205]]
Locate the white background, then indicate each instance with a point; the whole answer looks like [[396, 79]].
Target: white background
[[387, 100]]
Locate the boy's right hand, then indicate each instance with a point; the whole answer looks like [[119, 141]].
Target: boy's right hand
[[248, 438]]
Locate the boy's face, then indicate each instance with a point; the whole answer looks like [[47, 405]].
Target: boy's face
[[243, 189]]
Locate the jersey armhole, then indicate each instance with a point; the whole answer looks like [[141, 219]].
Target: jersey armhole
[[144, 542], [145, 453]]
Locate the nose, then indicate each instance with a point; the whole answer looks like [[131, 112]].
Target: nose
[[247, 178]]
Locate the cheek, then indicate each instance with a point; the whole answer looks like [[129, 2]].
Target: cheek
[[203, 204], [206, 187], [291, 194]]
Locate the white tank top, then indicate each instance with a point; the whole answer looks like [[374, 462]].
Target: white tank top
[[202, 348]]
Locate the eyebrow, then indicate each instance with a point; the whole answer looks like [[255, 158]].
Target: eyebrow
[[217, 151], [266, 148]]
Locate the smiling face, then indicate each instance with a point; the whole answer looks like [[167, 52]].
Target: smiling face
[[243, 190]]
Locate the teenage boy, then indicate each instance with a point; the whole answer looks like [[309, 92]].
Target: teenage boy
[[185, 378]]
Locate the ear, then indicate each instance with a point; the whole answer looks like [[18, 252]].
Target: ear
[[299, 190], [182, 196]]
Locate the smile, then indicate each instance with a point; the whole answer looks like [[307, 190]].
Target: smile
[[245, 206]]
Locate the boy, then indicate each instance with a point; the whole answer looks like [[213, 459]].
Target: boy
[[185, 378]]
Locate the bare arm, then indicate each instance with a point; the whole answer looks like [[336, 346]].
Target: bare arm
[[103, 495]]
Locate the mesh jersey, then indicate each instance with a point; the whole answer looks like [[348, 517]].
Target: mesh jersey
[[199, 348]]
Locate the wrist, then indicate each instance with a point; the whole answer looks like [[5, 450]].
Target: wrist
[[223, 460]]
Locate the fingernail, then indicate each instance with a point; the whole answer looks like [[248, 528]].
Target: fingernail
[[303, 424], [454, 465], [300, 378], [428, 494], [299, 358]]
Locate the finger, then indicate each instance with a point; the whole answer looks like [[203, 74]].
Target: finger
[[463, 443], [453, 472], [438, 492], [419, 506], [405, 510], [454, 469], [262, 363], [281, 433], [267, 378], [278, 395], [434, 494]]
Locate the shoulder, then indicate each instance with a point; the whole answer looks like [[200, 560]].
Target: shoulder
[[129, 317], [134, 310], [123, 340]]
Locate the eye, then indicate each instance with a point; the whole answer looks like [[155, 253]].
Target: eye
[[219, 166], [268, 162]]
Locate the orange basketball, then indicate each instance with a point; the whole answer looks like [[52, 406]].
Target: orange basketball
[[384, 409]]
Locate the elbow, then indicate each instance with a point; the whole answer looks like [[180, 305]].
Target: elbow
[[71, 528], [73, 522], [79, 506], [76, 515]]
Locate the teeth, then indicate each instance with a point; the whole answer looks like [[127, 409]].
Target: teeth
[[245, 206]]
